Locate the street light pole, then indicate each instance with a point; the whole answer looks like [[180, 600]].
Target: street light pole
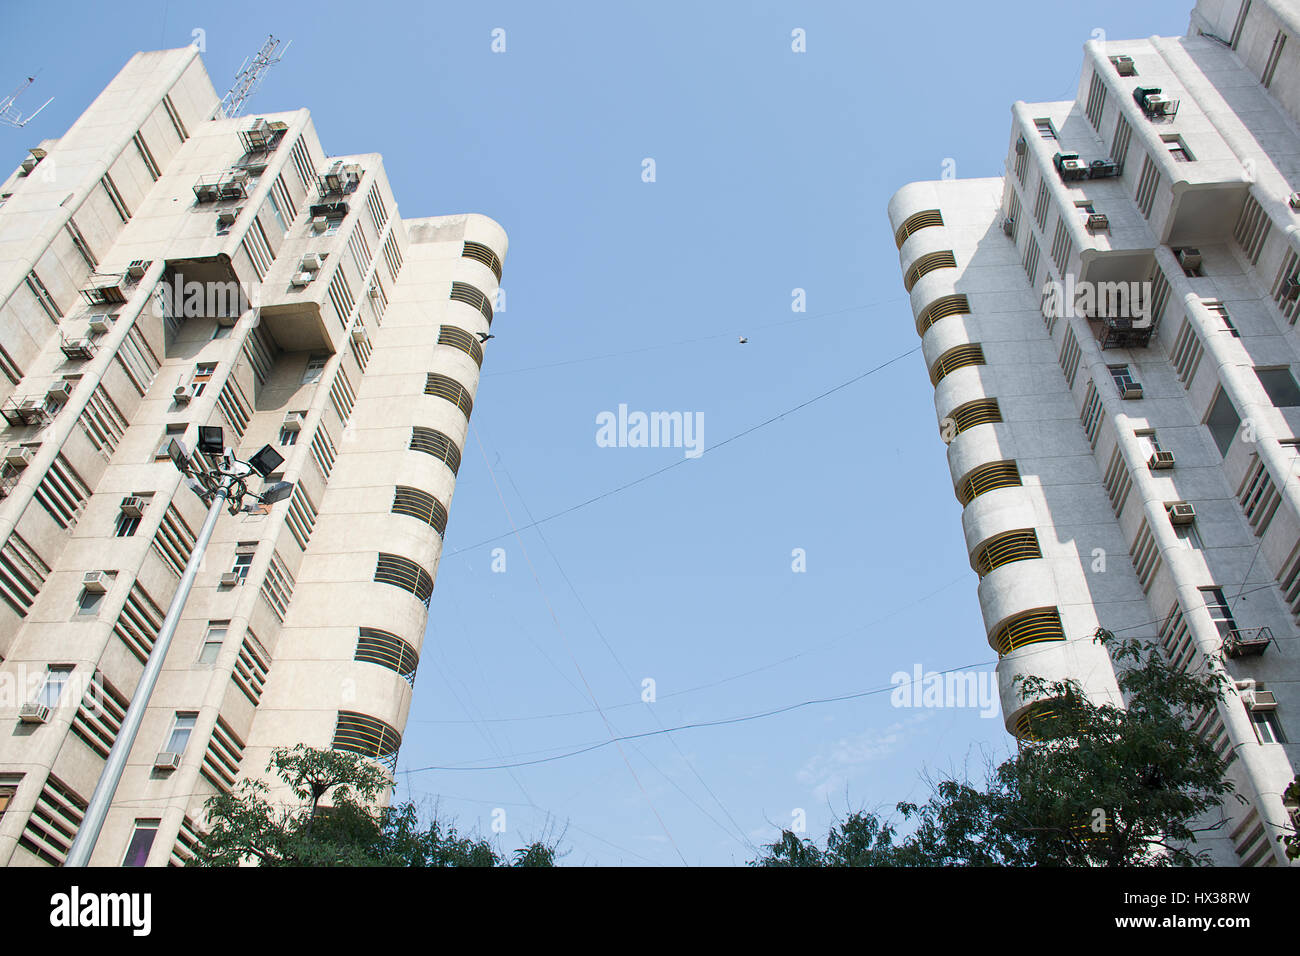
[[97, 810], [225, 486]]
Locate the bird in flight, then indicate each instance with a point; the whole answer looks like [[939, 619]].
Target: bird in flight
[[483, 336]]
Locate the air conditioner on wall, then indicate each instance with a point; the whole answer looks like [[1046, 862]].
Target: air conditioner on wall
[[59, 391], [18, 456], [293, 422], [34, 713], [311, 262], [96, 582], [301, 279], [1161, 460], [1189, 258], [1180, 512], [133, 506], [229, 579], [167, 761], [100, 323]]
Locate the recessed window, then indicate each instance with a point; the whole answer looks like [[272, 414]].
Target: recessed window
[[288, 436], [1221, 311], [126, 525], [137, 851], [182, 727], [1045, 128], [315, 366], [1223, 422], [1188, 534], [89, 601], [1178, 148], [7, 791], [1280, 385], [1219, 610], [56, 678], [1267, 727], [203, 373], [242, 563], [170, 432], [212, 644], [1148, 441]]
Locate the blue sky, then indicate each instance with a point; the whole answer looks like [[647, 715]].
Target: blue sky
[[772, 173]]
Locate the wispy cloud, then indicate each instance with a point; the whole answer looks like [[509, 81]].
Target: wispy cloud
[[831, 769]]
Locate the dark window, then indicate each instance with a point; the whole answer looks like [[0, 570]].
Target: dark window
[[1280, 385], [1223, 422]]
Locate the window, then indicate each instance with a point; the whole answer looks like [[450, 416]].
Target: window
[[89, 601], [182, 727], [332, 225], [7, 791], [1044, 127], [1218, 308], [1267, 728], [1280, 385], [56, 677], [315, 366], [288, 436], [275, 209], [1147, 440], [212, 644], [1188, 534], [1177, 148], [1122, 376], [203, 373], [126, 525], [242, 563], [1217, 605], [170, 432], [221, 332], [1223, 422], [137, 851]]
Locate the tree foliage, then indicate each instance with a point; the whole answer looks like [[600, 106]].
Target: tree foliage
[[1100, 786], [246, 826]]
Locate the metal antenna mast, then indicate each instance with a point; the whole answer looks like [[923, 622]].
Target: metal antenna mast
[[9, 113], [249, 76]]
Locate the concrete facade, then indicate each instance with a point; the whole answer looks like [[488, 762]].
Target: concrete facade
[[1077, 435], [355, 353]]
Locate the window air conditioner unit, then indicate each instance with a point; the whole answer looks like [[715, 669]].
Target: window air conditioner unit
[[373, 292], [1130, 390], [205, 192], [318, 223], [301, 279], [96, 582], [1021, 146], [18, 456], [100, 323], [167, 761], [359, 334], [1259, 700], [1294, 200], [1098, 222], [227, 217], [1070, 166], [1161, 460], [1189, 258], [78, 349], [293, 422], [1180, 512], [32, 411], [1008, 226], [1124, 66], [34, 713], [311, 262], [133, 506], [137, 268], [60, 391], [229, 579], [1290, 288]]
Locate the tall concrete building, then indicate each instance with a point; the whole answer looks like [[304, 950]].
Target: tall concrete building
[[1110, 330], [162, 268]]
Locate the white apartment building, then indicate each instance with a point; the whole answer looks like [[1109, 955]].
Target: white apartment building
[[1135, 465], [355, 352]]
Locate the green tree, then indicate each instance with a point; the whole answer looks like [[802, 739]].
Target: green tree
[[245, 826], [1291, 796], [1099, 785]]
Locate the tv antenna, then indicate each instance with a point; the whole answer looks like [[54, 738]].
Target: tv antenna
[[10, 114], [250, 75]]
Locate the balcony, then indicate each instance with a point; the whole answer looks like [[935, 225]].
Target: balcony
[[1123, 333], [1248, 642], [79, 349], [339, 180]]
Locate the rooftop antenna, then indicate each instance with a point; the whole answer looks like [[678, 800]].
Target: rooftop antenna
[[9, 113], [249, 76]]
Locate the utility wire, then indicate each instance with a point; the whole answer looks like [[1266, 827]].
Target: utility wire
[[681, 461]]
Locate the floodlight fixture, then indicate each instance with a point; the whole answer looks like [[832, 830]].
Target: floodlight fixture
[[277, 491], [266, 461], [211, 440], [179, 454]]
